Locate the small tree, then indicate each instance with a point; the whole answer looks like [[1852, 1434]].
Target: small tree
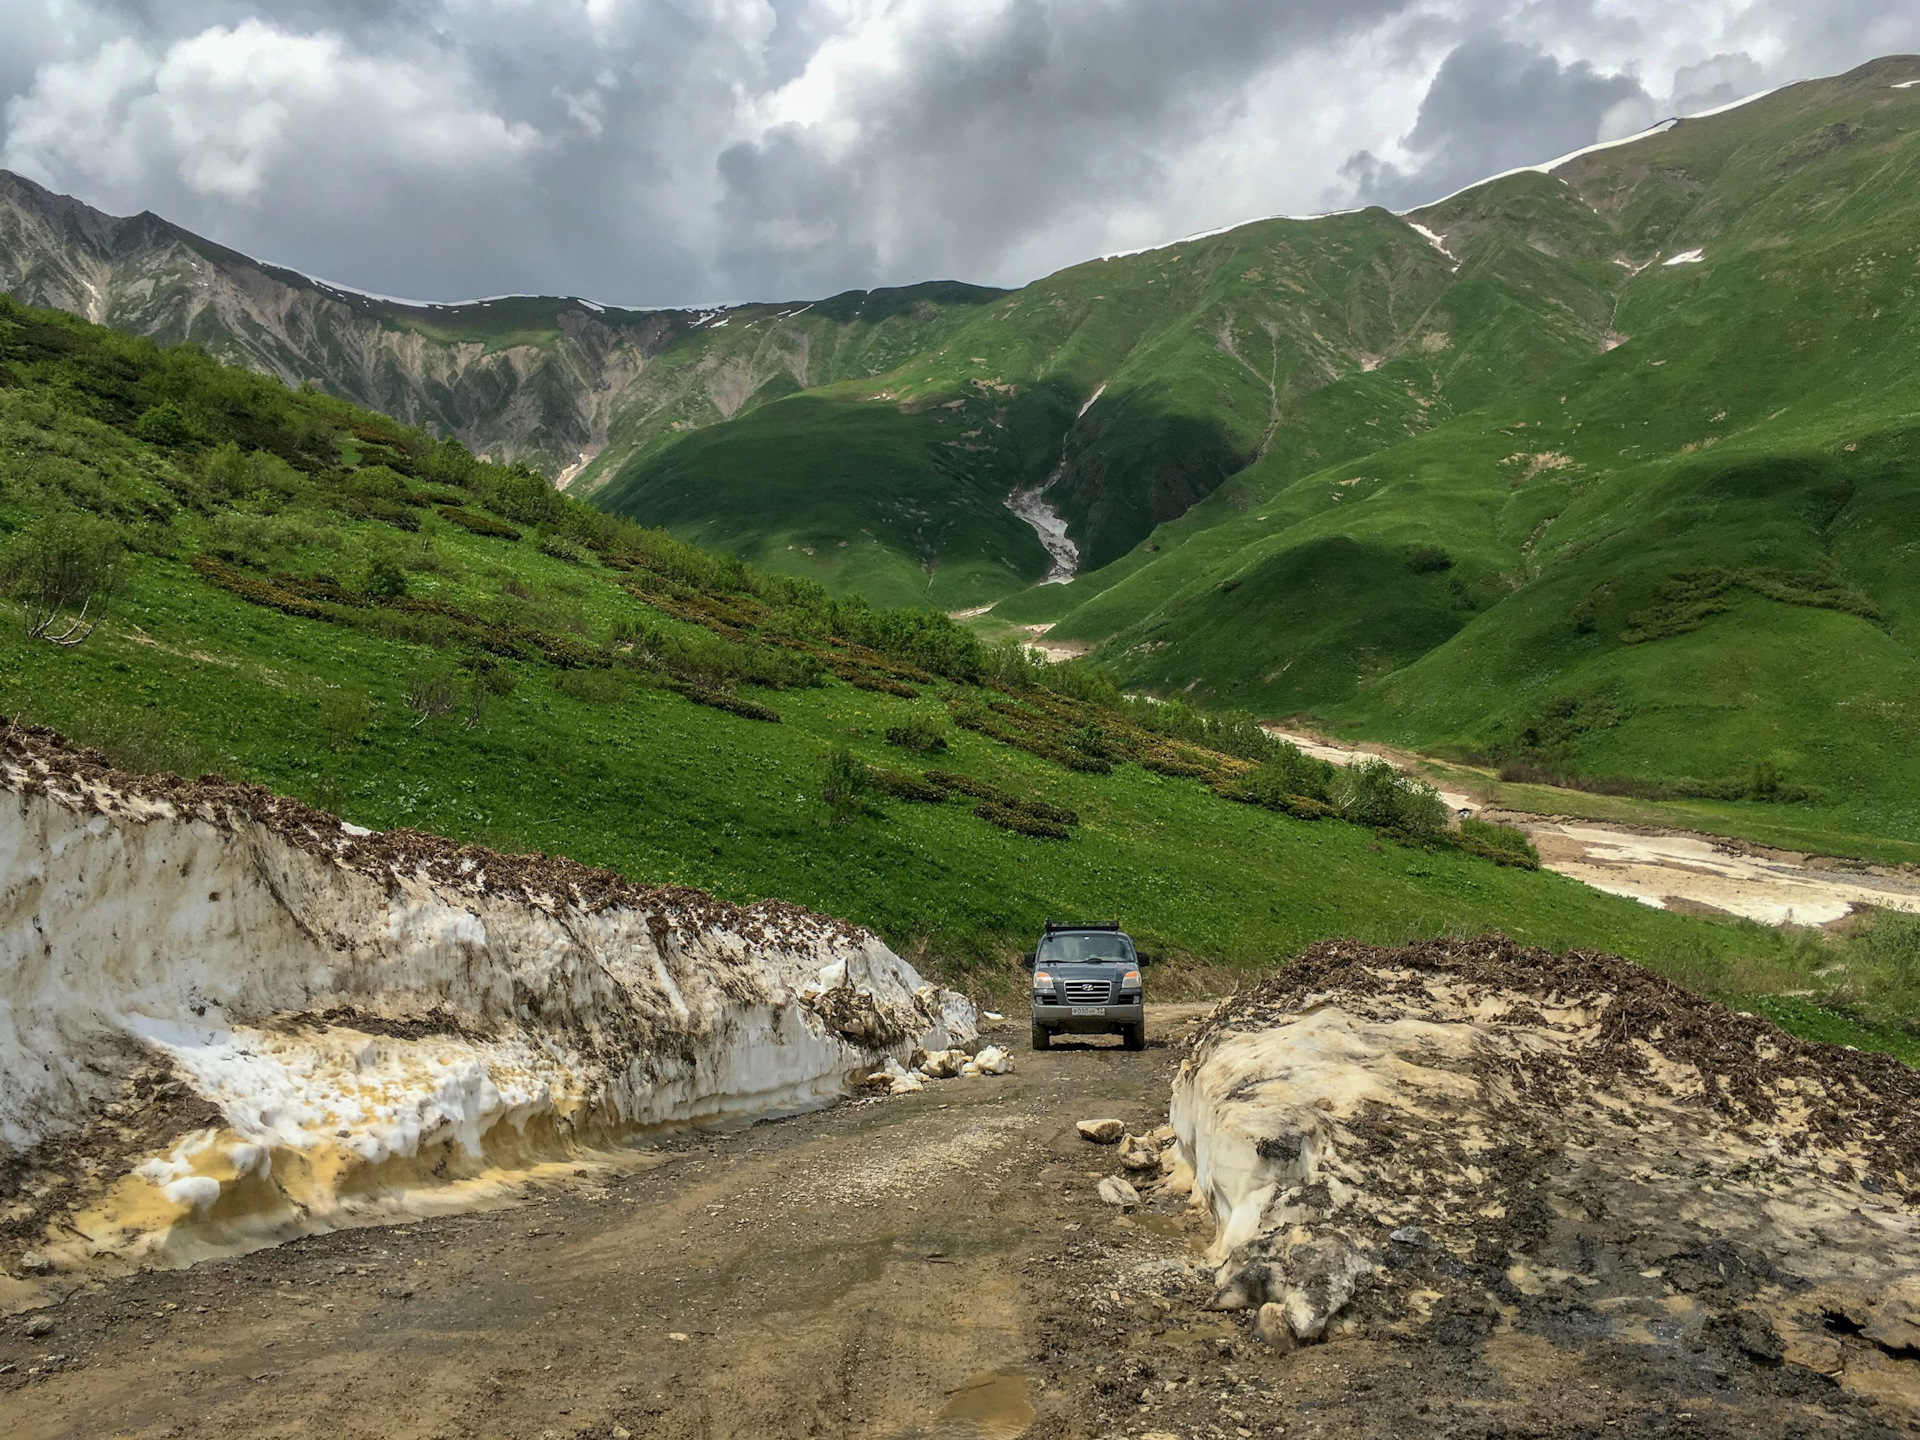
[[65, 574]]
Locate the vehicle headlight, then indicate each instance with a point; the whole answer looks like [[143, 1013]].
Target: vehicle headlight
[[1042, 981]]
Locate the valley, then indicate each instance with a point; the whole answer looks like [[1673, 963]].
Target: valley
[[524, 823]]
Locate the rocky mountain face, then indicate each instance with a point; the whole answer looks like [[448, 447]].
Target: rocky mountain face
[[523, 378]]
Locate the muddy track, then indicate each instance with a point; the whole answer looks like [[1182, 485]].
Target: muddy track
[[936, 1265]]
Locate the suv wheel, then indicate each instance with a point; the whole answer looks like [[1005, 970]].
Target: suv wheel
[[1135, 1036], [1042, 1037]]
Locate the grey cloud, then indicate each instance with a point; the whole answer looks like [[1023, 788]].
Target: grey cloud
[[1494, 105], [674, 151], [1714, 82], [979, 139]]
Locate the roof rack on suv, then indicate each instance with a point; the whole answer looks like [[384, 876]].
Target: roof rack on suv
[[1052, 926]]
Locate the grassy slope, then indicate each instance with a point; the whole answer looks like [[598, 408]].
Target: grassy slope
[[614, 770], [1284, 342], [1758, 427]]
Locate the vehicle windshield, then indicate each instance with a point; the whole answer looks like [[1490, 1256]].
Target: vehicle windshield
[[1085, 946]]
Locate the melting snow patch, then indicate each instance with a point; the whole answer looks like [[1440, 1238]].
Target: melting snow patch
[[1434, 240], [1687, 257], [367, 1019]]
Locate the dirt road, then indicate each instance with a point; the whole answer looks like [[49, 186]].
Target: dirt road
[[936, 1265]]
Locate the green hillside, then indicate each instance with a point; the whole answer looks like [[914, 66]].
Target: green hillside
[[322, 601], [1681, 565], [1133, 387]]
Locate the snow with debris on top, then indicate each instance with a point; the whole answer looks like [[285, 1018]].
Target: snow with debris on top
[[246, 959], [1686, 257]]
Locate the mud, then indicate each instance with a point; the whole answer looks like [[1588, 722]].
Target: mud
[[937, 1265]]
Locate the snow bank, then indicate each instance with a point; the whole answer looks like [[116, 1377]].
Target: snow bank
[[375, 1016], [1686, 257], [1409, 1141]]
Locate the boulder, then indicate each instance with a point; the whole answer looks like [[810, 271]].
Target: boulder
[[1102, 1132], [1139, 1154], [1116, 1191]]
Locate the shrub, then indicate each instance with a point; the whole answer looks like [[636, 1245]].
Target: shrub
[[724, 700], [431, 694], [1875, 968], [907, 787], [1372, 792], [846, 786], [919, 735], [64, 573], [164, 424], [477, 524], [592, 687], [558, 547], [1502, 844], [1289, 774], [1021, 821], [383, 580], [1427, 559], [344, 717]]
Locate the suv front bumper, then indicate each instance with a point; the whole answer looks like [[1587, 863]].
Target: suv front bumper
[[1088, 1019]]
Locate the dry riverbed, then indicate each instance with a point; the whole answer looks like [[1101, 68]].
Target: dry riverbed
[[1679, 869]]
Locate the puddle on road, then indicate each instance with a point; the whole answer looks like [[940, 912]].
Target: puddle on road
[[992, 1405]]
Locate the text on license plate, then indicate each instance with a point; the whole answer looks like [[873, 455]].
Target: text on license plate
[[1089, 1009]]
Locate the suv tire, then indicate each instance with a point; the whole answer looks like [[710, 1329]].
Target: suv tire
[[1135, 1036], [1042, 1037]]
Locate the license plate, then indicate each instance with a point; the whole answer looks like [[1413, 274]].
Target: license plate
[[1089, 1009]]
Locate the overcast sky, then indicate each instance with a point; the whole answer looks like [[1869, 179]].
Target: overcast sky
[[658, 152]]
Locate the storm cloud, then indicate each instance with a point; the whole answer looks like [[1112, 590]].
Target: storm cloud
[[680, 151]]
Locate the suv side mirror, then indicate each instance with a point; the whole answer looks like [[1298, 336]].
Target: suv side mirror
[[1142, 960], [1028, 958]]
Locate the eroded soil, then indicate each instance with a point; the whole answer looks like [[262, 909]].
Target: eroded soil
[[932, 1265]]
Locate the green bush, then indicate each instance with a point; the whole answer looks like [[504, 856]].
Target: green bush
[[1372, 792], [477, 524], [383, 580], [558, 547], [1020, 820], [902, 786], [1289, 773], [1502, 844], [165, 424], [919, 734]]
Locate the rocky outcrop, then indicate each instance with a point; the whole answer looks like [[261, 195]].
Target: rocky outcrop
[[301, 1023]]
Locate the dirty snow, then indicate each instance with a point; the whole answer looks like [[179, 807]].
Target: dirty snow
[[1686, 257], [1029, 502], [1772, 886], [1461, 1126], [368, 1039]]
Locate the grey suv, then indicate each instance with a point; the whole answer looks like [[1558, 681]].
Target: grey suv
[[1086, 981]]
